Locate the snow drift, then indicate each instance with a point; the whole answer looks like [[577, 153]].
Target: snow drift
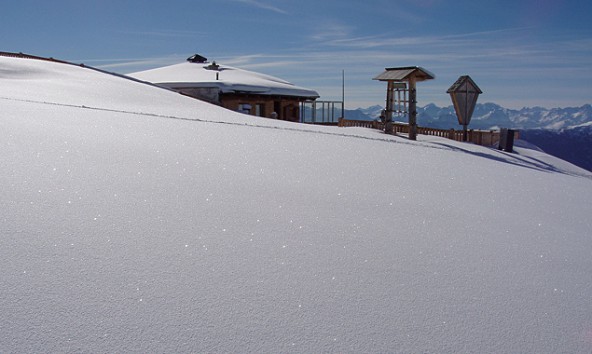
[[138, 220]]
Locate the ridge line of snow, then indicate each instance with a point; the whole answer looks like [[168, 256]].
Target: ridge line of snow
[[386, 139], [213, 121], [389, 139]]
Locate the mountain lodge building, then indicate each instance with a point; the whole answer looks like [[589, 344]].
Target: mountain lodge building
[[232, 88]]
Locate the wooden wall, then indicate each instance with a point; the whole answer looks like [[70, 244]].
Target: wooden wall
[[286, 108]]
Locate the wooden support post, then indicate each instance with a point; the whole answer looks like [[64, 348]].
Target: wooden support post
[[412, 109], [388, 119]]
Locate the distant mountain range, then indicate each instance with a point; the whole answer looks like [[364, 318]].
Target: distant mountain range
[[562, 132], [572, 144], [492, 116]]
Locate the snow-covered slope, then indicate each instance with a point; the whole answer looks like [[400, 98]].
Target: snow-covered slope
[[138, 220]]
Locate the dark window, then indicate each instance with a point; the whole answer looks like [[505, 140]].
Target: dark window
[[277, 108]]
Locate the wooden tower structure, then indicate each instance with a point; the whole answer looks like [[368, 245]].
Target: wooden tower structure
[[409, 75]]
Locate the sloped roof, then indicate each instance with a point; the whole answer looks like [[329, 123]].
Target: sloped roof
[[403, 73], [226, 78]]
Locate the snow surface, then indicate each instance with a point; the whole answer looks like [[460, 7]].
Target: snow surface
[[138, 220], [226, 78]]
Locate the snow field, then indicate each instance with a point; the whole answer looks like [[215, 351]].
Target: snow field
[[128, 232]]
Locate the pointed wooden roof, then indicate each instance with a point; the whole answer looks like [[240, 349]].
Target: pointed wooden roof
[[460, 85]]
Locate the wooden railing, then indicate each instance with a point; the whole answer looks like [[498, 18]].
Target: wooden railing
[[479, 137], [360, 123]]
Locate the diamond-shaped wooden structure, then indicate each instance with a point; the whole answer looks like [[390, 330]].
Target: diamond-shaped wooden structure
[[464, 93]]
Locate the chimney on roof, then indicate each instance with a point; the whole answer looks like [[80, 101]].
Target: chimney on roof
[[213, 66], [196, 58]]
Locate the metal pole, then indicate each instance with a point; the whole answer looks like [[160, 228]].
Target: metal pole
[[332, 112], [343, 93]]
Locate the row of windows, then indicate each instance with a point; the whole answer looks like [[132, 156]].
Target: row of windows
[[247, 108], [287, 112]]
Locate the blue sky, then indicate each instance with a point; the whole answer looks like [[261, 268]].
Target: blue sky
[[520, 53]]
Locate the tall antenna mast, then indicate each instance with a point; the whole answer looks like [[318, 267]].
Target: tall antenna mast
[[343, 93]]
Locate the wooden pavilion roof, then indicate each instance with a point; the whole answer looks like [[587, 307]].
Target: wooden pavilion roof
[[403, 74]]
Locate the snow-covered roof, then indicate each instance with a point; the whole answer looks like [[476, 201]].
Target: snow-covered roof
[[226, 78]]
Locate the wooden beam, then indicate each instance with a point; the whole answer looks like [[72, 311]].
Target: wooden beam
[[412, 108], [388, 119]]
